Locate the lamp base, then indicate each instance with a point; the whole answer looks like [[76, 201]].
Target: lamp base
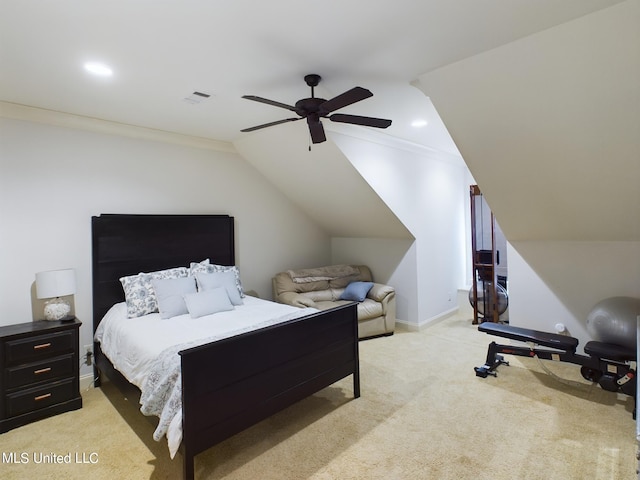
[[57, 309]]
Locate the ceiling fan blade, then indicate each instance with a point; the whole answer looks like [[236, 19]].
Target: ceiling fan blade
[[347, 98], [269, 102], [316, 129], [271, 124], [359, 120]]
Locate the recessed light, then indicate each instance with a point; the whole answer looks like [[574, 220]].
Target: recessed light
[[419, 123], [98, 69]]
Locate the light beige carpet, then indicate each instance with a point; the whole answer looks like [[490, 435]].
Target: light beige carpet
[[423, 414]]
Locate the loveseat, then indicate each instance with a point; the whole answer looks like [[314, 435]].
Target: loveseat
[[327, 287]]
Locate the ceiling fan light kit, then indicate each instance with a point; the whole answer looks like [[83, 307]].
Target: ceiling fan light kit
[[313, 109]]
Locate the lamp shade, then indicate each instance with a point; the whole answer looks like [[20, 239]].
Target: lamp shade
[[55, 283]]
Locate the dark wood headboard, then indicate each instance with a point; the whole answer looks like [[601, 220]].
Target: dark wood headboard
[[129, 244]]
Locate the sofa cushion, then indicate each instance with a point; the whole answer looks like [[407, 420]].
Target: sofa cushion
[[283, 283], [330, 304], [364, 275], [319, 296], [330, 272], [366, 310]]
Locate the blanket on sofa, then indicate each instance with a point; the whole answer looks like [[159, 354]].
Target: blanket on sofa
[[331, 272]]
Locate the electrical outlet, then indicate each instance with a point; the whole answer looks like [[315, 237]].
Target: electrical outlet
[[88, 354]]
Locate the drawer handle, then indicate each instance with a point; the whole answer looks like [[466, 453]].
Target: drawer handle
[[42, 397], [41, 346], [42, 370]]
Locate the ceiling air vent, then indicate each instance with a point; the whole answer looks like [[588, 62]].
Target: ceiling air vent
[[196, 97]]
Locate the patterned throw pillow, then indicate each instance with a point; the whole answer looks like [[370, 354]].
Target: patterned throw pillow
[[206, 267], [138, 290]]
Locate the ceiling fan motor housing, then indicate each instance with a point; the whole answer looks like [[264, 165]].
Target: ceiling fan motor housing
[[308, 105]]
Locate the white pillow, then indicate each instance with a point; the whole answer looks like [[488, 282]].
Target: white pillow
[[207, 281], [206, 267], [208, 302], [170, 294]]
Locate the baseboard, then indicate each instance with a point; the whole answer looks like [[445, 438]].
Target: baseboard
[[86, 382], [412, 327]]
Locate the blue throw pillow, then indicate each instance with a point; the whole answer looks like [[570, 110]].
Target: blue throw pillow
[[356, 291]]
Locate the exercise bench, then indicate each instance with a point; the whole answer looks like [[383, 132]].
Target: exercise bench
[[612, 366]]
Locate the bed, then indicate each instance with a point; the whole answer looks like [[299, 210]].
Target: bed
[[230, 384]]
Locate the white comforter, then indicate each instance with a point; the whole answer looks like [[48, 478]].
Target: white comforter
[[135, 347]]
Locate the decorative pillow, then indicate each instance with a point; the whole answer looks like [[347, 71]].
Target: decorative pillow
[[206, 267], [208, 281], [198, 267], [138, 291], [170, 295], [356, 291], [208, 302]]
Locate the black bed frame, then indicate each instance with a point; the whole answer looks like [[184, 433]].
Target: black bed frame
[[233, 383]]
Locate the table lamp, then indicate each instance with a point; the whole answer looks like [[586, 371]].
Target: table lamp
[[54, 284]]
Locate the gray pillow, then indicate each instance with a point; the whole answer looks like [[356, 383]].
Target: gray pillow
[[207, 302], [207, 281], [170, 295]]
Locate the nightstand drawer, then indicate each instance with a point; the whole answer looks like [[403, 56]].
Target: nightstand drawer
[[35, 347], [42, 371], [36, 398]]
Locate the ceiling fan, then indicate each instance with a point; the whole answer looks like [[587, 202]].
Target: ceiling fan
[[313, 109]]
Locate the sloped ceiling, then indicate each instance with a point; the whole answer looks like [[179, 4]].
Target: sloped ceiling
[[549, 126], [322, 182]]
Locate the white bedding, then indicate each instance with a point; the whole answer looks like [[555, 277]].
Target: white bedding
[[133, 345]]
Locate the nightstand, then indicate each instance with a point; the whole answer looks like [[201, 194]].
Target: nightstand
[[40, 365]]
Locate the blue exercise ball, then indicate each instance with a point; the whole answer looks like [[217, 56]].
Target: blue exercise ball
[[614, 320]]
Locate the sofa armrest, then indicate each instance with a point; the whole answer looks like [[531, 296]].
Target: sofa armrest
[[295, 299], [379, 292]]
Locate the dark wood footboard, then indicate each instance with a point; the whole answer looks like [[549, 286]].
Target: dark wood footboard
[[234, 383]]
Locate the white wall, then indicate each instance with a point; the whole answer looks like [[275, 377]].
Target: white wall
[[53, 179], [392, 262], [426, 190], [560, 282]]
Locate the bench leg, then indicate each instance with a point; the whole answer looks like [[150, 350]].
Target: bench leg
[[493, 361]]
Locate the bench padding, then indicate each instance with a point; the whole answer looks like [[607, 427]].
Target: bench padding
[[551, 340]]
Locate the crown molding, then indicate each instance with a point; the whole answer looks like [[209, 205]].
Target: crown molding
[[61, 119], [380, 138]]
